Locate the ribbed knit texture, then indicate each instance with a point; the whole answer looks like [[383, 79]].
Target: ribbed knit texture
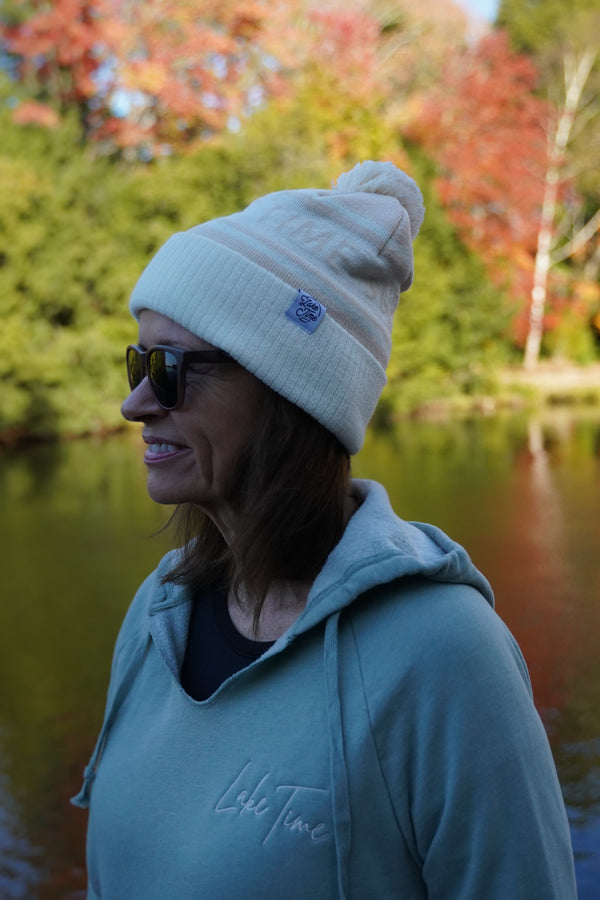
[[232, 281]]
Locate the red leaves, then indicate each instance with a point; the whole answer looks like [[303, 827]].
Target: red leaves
[[33, 113], [174, 71], [161, 70], [65, 41], [170, 72], [345, 43], [485, 127]]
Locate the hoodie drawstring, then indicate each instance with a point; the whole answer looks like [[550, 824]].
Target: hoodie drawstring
[[338, 767], [82, 799]]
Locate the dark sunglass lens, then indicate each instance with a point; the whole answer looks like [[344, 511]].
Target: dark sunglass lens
[[162, 370], [135, 369]]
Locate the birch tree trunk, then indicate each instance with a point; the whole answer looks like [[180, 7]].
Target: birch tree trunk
[[576, 76]]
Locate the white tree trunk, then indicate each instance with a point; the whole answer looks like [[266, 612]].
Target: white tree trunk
[[543, 263], [576, 76]]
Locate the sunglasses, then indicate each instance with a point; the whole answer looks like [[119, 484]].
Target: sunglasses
[[165, 369]]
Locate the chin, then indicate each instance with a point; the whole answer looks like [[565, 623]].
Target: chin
[[169, 494], [161, 492], [163, 498]]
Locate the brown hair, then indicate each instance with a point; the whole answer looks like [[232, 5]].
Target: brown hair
[[289, 495]]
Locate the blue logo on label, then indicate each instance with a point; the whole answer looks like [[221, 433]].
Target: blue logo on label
[[306, 312]]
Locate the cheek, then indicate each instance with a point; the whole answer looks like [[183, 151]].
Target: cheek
[[234, 441], [217, 452], [232, 447], [222, 429]]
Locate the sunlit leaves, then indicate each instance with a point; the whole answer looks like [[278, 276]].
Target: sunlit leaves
[[142, 74], [163, 75], [486, 128]]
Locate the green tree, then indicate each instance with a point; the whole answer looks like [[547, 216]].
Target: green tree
[[539, 26]]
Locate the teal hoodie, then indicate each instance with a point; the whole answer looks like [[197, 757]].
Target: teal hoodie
[[386, 746]]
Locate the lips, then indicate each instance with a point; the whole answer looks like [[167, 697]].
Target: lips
[[159, 449]]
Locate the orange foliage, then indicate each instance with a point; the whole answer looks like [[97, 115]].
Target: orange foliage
[[33, 113], [170, 72], [67, 40], [485, 127], [177, 68], [345, 45]]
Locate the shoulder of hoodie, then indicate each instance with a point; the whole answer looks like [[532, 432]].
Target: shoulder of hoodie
[[419, 604], [425, 632], [439, 671]]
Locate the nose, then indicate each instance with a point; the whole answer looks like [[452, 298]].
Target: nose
[[141, 404]]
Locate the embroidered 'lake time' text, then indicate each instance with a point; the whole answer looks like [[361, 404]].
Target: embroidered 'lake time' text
[[276, 806]]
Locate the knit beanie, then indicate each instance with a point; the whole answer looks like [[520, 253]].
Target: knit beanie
[[300, 288]]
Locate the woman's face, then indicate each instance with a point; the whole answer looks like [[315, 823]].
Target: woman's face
[[193, 452]]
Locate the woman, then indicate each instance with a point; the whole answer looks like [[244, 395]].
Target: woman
[[312, 698]]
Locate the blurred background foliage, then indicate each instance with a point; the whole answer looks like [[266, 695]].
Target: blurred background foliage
[[121, 124]]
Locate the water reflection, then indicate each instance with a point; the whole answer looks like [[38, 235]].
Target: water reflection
[[18, 860], [76, 529], [75, 534]]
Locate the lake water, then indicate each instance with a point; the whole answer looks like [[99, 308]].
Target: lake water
[[76, 532]]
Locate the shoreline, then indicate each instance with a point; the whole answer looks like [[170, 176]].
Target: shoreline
[[554, 378], [549, 385]]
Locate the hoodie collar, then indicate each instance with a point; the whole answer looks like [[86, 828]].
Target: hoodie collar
[[378, 547]]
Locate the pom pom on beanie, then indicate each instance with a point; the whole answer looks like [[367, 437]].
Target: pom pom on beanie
[[385, 178], [300, 288]]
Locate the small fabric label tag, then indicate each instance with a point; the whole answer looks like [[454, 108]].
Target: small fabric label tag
[[306, 312]]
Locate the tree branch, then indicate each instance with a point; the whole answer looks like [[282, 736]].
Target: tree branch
[[580, 239]]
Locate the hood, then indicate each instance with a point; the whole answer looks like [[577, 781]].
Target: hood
[[377, 548]]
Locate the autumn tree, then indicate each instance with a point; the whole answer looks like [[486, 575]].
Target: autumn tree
[[484, 127], [162, 72], [415, 42], [158, 76], [57, 52]]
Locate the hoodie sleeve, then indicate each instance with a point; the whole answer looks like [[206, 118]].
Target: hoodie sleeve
[[462, 749]]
